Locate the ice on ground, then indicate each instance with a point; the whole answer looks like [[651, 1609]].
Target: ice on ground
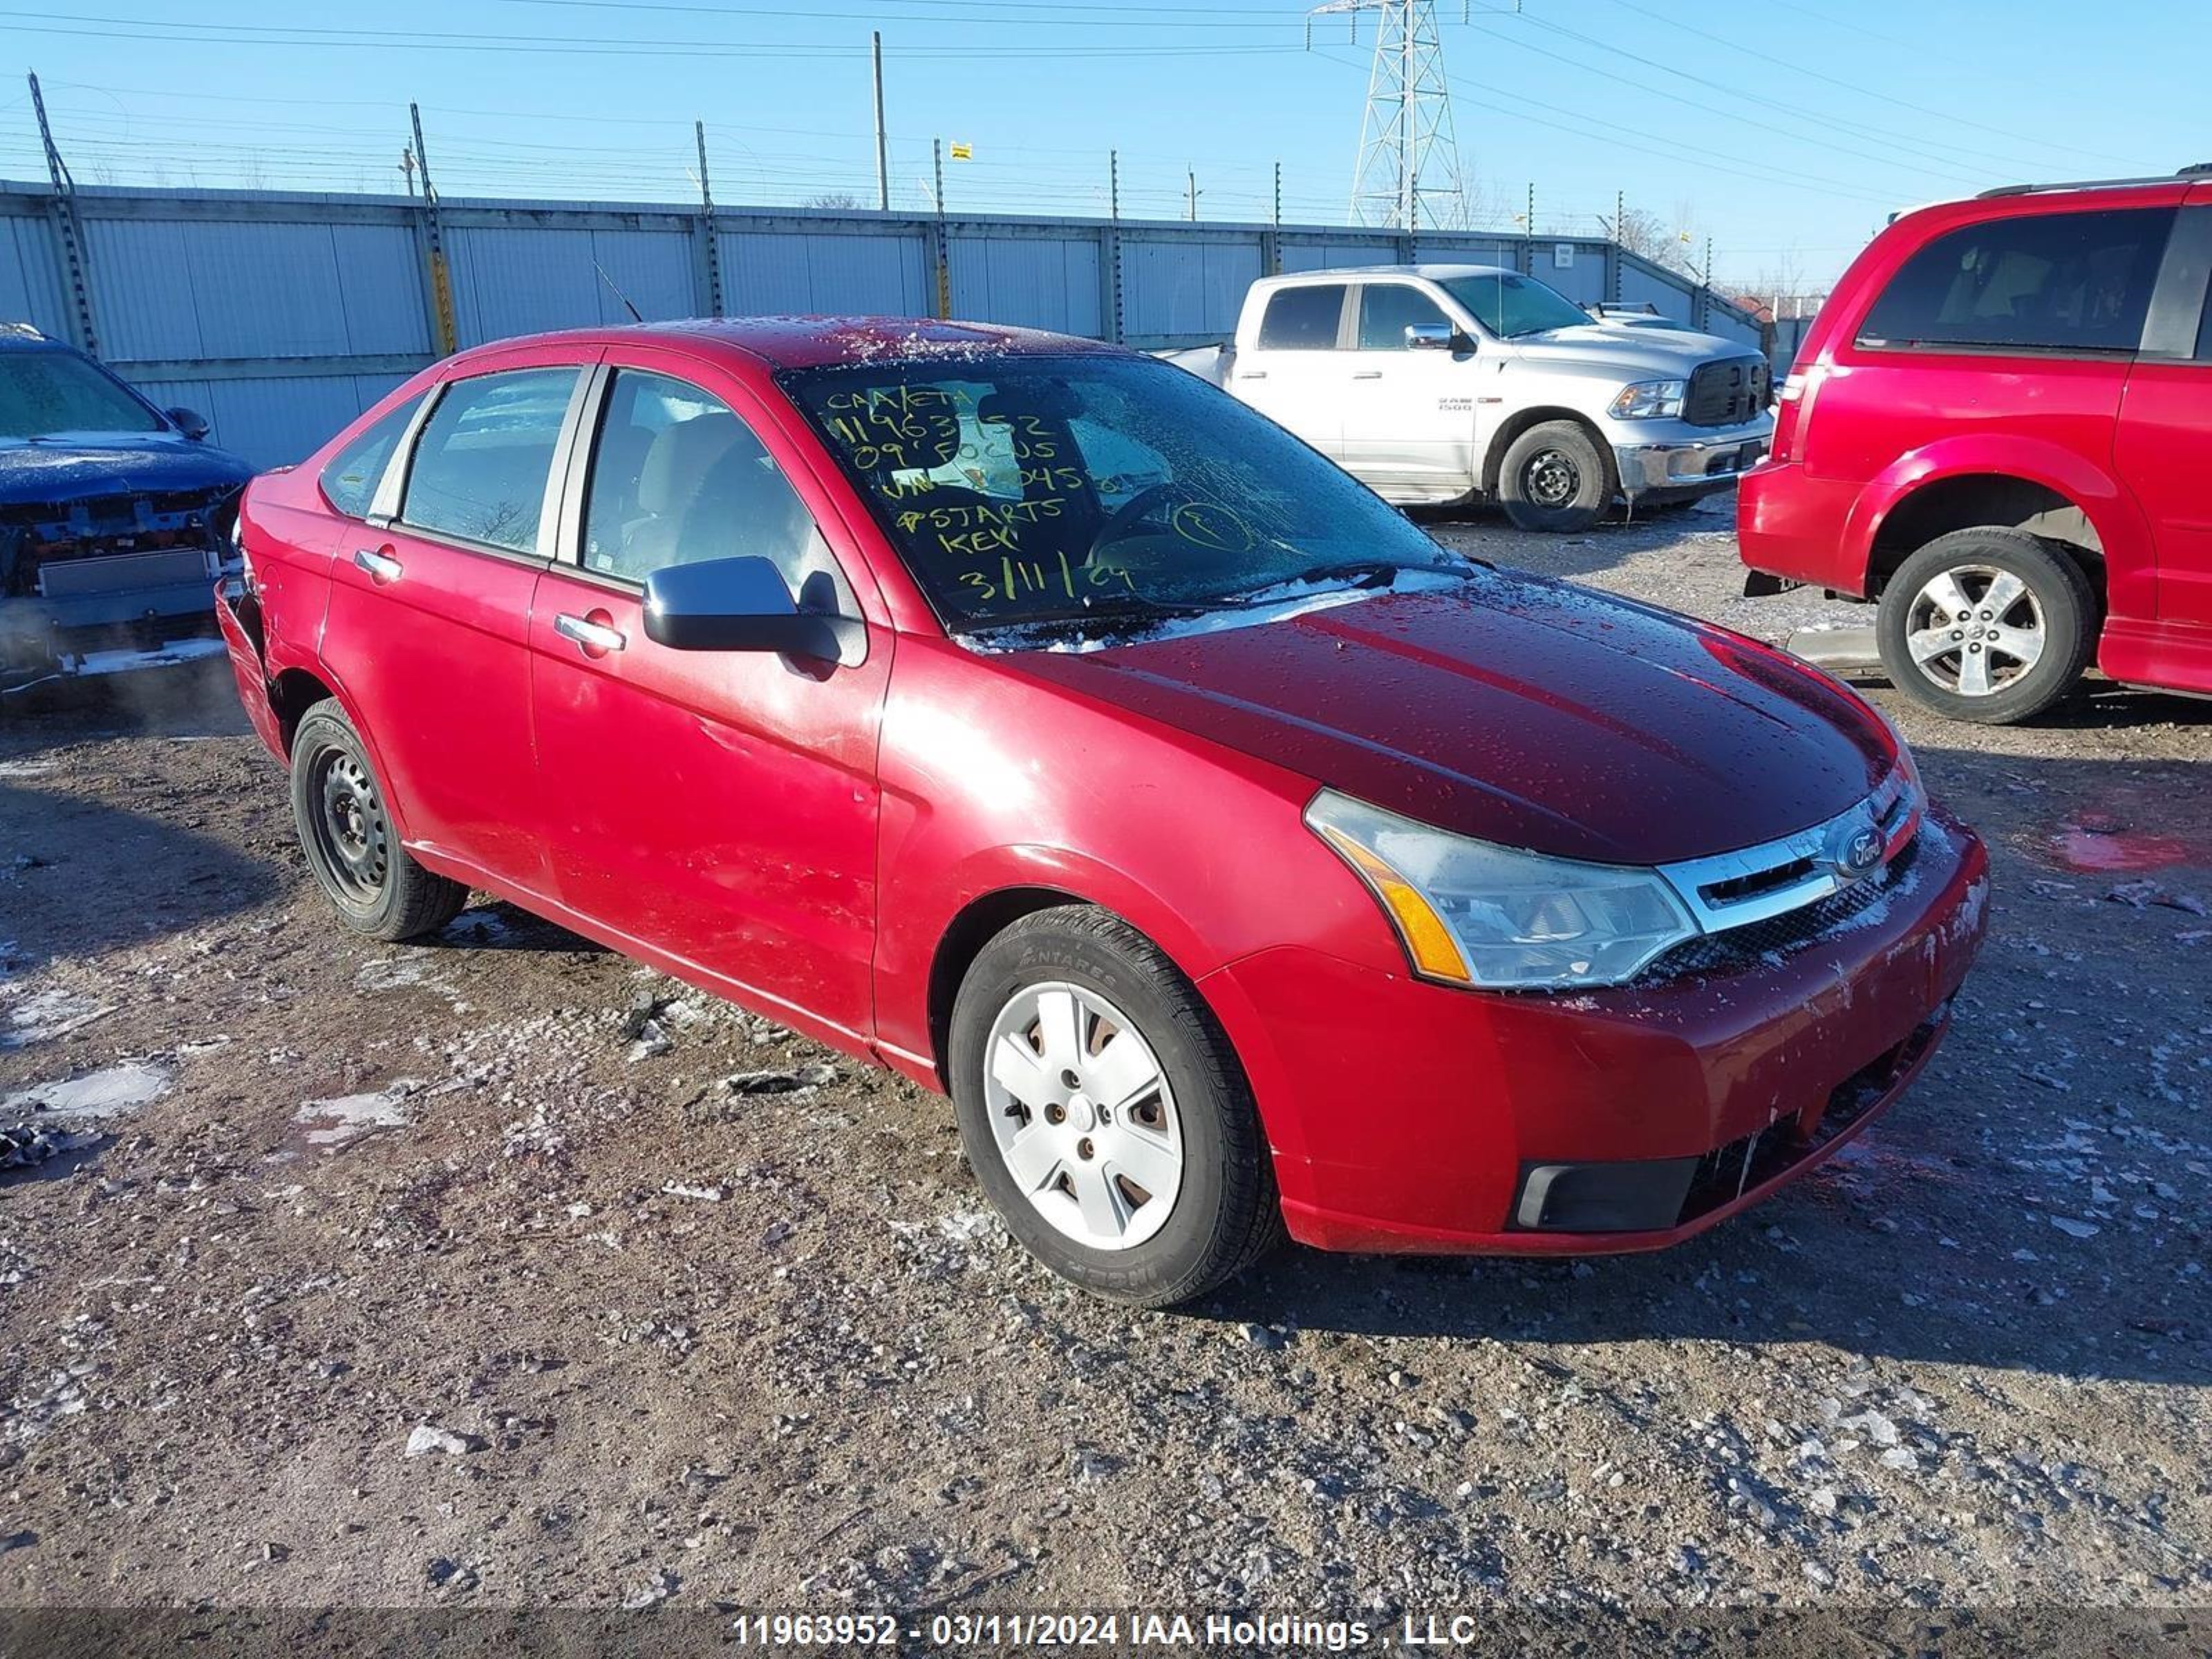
[[41, 1016], [337, 1123], [110, 1092]]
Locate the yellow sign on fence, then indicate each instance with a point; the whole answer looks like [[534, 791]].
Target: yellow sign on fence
[[963, 152]]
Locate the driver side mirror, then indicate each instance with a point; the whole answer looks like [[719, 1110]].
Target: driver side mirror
[[1435, 337], [737, 604], [190, 422]]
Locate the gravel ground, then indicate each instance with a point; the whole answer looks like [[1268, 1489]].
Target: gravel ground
[[500, 1271]]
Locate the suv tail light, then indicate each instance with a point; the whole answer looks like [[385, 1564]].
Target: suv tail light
[[1793, 410]]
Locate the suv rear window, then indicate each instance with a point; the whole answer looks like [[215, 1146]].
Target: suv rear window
[[1301, 319], [2052, 281]]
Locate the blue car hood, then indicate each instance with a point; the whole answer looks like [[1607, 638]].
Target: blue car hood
[[75, 466]]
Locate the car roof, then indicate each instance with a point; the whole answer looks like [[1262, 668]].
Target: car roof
[[780, 342], [1432, 271], [25, 337]]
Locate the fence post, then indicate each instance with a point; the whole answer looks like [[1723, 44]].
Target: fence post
[[69, 232], [710, 263], [1109, 251], [942, 243], [444, 335], [1271, 241]]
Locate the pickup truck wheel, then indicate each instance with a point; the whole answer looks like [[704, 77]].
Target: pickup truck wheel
[[1988, 625], [1553, 478], [337, 807], [1104, 1114]]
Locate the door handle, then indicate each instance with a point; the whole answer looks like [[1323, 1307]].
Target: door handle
[[381, 567], [589, 635], [1367, 374], [1251, 373]]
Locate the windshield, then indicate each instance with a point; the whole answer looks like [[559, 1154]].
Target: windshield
[[1510, 304], [1099, 489], [43, 393]]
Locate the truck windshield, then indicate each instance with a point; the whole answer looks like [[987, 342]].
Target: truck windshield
[[1095, 489], [44, 392], [1510, 305]]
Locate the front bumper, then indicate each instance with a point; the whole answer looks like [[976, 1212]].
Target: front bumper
[[1675, 458], [1413, 1117], [104, 632]]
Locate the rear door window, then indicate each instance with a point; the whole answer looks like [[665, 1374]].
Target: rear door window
[[349, 481], [1301, 319], [1387, 310], [2050, 282], [481, 464]]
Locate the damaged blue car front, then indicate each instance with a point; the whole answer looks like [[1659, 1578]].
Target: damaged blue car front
[[115, 519]]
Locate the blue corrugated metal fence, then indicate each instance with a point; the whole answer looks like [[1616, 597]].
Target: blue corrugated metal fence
[[281, 316]]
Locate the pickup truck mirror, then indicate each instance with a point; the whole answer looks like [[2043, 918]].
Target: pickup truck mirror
[[736, 605], [1435, 337], [190, 422]]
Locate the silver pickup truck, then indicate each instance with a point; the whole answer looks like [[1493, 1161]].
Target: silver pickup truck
[[1437, 383]]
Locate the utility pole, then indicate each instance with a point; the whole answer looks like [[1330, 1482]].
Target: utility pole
[[706, 226], [1408, 169], [883, 152], [1190, 178], [67, 225], [434, 242]]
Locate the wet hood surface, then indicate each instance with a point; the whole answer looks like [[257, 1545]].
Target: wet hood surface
[[79, 466], [1519, 710]]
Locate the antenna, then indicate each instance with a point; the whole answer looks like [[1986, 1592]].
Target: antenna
[[1409, 173], [635, 315]]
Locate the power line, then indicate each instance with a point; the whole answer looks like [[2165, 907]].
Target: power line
[[1859, 89]]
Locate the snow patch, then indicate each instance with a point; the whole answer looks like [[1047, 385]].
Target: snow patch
[[337, 1123]]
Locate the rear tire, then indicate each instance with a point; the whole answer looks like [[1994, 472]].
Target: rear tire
[[352, 847], [1990, 625], [1554, 478], [1072, 1003]]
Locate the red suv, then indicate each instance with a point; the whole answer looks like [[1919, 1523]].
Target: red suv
[[2001, 429], [1037, 720]]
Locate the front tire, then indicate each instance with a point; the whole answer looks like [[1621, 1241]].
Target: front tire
[[1105, 1113], [1989, 625], [1554, 478], [352, 847]]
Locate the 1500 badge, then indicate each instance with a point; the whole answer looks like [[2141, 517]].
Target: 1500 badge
[[1455, 405]]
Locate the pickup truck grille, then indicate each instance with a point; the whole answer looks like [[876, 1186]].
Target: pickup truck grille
[[1728, 392]]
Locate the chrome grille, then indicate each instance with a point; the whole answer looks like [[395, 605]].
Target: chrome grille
[[1750, 904]]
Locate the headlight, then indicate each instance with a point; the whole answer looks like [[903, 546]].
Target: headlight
[[1650, 400], [1469, 913]]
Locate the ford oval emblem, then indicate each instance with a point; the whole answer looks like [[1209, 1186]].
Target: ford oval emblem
[[1860, 852]]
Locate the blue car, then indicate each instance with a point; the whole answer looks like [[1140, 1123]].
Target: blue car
[[115, 519]]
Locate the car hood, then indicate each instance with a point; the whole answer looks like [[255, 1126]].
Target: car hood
[[72, 466], [1519, 710], [1660, 353]]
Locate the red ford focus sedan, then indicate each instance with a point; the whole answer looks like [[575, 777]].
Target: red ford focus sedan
[[1036, 719]]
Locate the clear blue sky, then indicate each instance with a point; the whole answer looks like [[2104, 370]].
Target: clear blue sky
[[1785, 130]]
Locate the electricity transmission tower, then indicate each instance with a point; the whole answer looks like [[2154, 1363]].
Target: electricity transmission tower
[[1409, 173]]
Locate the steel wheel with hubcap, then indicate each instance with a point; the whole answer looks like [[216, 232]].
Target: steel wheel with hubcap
[[1105, 1113], [347, 833], [1083, 1115], [1988, 624]]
